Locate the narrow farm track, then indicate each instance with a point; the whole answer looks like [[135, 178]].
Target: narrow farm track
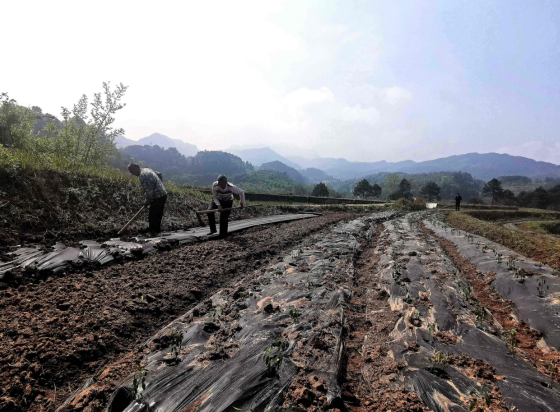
[[57, 333]]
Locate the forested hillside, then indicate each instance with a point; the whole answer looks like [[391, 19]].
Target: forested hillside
[[283, 170], [265, 181], [200, 169], [314, 175]]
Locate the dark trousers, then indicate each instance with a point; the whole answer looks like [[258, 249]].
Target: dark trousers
[[457, 206], [226, 204], [156, 214]]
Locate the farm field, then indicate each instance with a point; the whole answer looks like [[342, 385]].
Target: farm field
[[345, 311]]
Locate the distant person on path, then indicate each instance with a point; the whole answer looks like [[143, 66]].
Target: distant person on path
[[222, 198], [156, 195], [458, 199]]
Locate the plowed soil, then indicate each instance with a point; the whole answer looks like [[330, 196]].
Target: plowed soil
[[56, 333]]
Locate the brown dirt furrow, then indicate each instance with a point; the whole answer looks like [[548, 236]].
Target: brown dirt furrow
[[528, 341], [57, 333], [372, 380]]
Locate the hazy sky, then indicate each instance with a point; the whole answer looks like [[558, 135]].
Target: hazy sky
[[365, 80]]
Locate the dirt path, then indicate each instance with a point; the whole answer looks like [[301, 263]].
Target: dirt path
[[58, 332]]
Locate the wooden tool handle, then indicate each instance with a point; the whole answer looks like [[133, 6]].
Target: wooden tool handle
[[223, 210], [131, 220]]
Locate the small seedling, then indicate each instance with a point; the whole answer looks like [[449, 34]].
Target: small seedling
[[219, 311], [309, 282], [484, 396], [520, 275], [139, 381], [432, 327], [511, 263], [509, 337], [466, 291], [407, 298], [499, 258], [176, 339], [542, 287], [480, 313], [439, 359], [243, 410], [415, 317], [273, 355], [553, 368], [295, 314]]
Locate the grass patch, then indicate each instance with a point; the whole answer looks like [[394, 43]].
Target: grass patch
[[552, 228], [540, 248], [512, 215]]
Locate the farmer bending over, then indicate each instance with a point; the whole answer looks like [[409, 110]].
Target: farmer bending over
[[222, 198], [156, 195]]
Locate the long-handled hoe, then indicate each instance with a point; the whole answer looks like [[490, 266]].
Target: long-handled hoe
[[131, 220], [202, 212]]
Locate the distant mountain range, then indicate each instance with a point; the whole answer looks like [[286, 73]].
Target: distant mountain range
[[160, 140], [482, 166], [262, 155]]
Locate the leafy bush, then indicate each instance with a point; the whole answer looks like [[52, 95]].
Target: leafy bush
[[419, 204], [403, 204]]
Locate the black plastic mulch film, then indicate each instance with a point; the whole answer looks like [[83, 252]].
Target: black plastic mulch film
[[220, 365], [60, 256]]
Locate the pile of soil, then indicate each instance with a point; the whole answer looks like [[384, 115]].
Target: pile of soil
[[58, 332]]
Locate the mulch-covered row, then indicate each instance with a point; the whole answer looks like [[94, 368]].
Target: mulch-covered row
[[503, 311]]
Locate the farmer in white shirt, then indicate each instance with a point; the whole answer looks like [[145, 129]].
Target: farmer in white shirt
[[222, 198]]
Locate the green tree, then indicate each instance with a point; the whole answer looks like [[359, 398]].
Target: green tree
[[90, 138], [391, 182], [431, 190], [363, 189], [376, 190], [320, 190], [508, 197], [19, 122], [493, 188]]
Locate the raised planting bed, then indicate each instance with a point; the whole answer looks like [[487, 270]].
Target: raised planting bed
[[39, 259]]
